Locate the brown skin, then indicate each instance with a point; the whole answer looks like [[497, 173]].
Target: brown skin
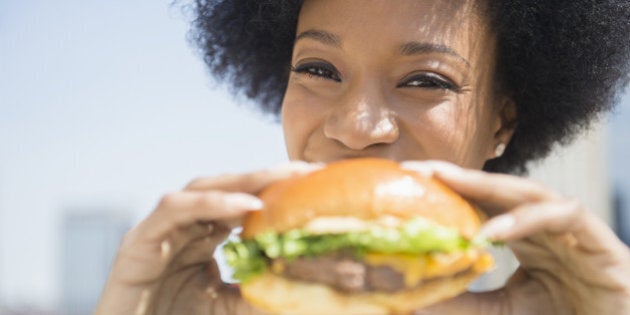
[[165, 264], [571, 262], [375, 110]]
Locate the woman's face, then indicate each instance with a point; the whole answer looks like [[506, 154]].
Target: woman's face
[[404, 80]]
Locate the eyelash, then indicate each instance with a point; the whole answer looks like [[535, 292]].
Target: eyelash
[[429, 80], [318, 70], [423, 80]]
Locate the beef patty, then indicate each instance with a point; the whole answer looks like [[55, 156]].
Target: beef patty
[[345, 273]]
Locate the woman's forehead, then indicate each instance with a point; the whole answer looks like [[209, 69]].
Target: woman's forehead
[[408, 13], [391, 24]]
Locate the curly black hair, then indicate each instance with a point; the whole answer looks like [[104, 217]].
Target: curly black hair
[[562, 61]]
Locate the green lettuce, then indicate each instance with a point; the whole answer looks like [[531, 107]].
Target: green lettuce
[[418, 236]]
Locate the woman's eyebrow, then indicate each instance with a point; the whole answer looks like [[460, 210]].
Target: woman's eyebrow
[[414, 48], [320, 36], [407, 49]]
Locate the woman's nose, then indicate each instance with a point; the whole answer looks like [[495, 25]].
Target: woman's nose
[[361, 122]]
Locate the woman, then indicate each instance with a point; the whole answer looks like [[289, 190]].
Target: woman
[[482, 85]]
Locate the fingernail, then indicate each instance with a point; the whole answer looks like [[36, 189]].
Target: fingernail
[[300, 166], [244, 201], [419, 167], [448, 169], [498, 226], [430, 167]]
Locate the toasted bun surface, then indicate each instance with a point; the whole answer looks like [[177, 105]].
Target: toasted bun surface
[[366, 189]]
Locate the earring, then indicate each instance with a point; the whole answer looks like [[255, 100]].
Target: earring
[[500, 148]]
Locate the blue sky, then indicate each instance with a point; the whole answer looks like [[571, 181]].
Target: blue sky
[[104, 104]]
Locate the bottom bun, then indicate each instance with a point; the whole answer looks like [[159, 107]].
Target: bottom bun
[[281, 296]]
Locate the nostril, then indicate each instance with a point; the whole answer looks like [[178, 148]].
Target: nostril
[[362, 130]]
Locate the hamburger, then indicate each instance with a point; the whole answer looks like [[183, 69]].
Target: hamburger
[[360, 236]]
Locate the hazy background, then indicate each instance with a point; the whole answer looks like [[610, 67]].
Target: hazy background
[[104, 106]]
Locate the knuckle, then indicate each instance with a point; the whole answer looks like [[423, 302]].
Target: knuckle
[[573, 206], [253, 176], [196, 183], [205, 200], [223, 181], [210, 200], [572, 209], [168, 200], [537, 191], [205, 182], [129, 237]]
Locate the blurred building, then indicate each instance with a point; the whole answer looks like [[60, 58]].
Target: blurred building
[[619, 170], [90, 240], [622, 212], [581, 171], [26, 310]]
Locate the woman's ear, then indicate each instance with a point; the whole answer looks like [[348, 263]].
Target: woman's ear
[[505, 124]]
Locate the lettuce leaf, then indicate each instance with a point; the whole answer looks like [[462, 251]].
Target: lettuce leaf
[[418, 236]]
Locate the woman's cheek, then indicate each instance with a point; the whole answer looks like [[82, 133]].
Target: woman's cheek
[[301, 115], [468, 135], [448, 132]]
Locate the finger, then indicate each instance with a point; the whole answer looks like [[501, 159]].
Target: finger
[[486, 303], [565, 217], [198, 251], [182, 209], [253, 182], [538, 209], [495, 192], [179, 240], [195, 272], [531, 296], [150, 246]]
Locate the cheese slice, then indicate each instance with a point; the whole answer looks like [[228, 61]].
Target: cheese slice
[[416, 268]]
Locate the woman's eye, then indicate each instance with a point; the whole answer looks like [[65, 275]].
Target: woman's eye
[[428, 80], [320, 70]]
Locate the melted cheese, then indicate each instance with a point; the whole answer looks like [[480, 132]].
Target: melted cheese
[[277, 266], [447, 264], [416, 268], [413, 267], [485, 263]]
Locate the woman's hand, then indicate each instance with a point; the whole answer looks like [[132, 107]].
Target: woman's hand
[[165, 264], [570, 261]]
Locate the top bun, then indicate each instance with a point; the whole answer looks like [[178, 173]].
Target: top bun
[[367, 189]]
